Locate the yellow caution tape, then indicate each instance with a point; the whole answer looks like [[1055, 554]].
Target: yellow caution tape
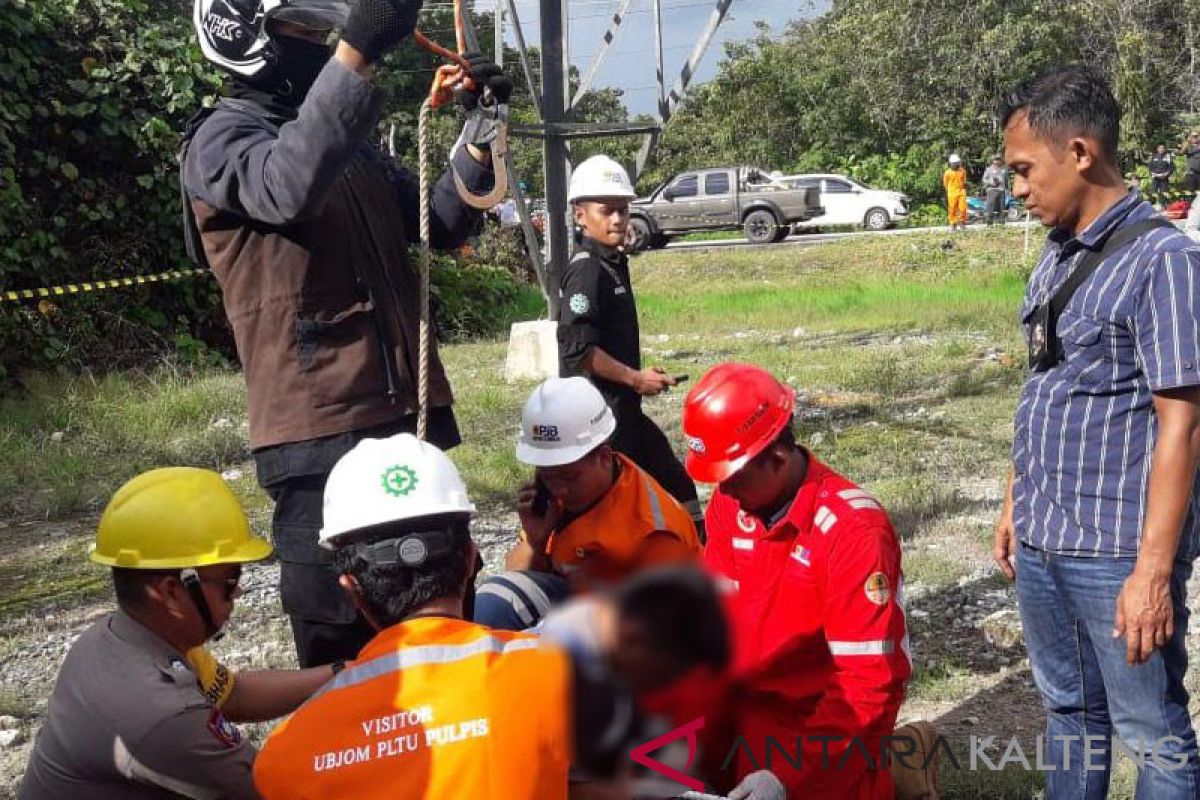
[[94, 286], [1169, 195]]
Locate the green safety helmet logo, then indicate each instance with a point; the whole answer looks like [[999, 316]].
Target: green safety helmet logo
[[399, 481]]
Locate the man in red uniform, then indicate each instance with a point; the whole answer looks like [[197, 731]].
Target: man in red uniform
[[812, 568]]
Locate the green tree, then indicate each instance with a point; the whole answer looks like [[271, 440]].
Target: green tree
[[885, 89]]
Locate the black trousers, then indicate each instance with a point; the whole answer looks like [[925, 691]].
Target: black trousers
[[647, 446], [1191, 181], [995, 206], [326, 626]]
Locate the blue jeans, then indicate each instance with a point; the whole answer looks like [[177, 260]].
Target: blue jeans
[[1068, 607]]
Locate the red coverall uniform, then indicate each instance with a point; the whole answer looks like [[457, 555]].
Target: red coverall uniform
[[821, 645]]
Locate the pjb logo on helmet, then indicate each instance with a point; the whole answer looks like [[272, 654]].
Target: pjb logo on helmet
[[695, 444], [544, 433]]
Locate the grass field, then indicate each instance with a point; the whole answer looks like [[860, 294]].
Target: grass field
[[904, 350], [863, 328]]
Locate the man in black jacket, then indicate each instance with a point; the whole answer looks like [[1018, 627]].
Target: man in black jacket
[[306, 228], [598, 331]]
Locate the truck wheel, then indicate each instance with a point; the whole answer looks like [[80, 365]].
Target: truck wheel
[[781, 233], [760, 226], [877, 219], [637, 235]]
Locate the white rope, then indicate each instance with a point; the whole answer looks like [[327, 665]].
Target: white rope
[[425, 266]]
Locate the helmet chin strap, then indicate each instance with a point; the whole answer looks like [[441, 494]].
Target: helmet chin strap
[[191, 581]]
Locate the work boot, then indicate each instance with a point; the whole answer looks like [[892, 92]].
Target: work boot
[[917, 779]]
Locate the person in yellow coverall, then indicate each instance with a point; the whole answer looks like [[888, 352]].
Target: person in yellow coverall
[[955, 181]]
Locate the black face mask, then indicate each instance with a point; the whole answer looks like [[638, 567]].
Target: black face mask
[[300, 62]]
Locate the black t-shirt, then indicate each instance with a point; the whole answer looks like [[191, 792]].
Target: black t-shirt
[[597, 308]]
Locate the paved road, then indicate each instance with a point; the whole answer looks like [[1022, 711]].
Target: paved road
[[803, 239]]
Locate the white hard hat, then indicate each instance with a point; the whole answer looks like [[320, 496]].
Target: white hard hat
[[390, 480], [954, 159], [600, 176], [564, 420]]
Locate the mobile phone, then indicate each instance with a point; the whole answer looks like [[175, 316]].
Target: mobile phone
[[680, 378], [541, 498]]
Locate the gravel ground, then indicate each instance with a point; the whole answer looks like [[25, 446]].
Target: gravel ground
[[33, 645], [945, 624]]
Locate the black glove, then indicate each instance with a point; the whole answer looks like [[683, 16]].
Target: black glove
[[376, 26], [486, 74]]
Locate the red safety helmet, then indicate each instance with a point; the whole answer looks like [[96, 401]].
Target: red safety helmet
[[732, 413]]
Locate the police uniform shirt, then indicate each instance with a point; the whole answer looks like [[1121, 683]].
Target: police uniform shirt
[[127, 721], [596, 308]]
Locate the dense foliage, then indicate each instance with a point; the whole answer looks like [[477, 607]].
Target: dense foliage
[[95, 94], [885, 89]]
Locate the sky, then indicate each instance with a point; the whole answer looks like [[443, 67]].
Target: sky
[[629, 64]]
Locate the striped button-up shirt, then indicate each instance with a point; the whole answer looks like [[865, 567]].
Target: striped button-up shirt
[[1085, 429]]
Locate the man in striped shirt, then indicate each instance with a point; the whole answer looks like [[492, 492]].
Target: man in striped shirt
[[1100, 518]]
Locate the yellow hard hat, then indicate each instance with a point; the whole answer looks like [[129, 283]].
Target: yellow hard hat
[[174, 518]]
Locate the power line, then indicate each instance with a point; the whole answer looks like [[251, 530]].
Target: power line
[[618, 51]]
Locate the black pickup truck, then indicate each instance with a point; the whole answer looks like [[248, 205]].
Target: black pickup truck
[[722, 198]]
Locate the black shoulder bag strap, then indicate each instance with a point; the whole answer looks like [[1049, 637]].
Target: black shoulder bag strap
[[1050, 352]]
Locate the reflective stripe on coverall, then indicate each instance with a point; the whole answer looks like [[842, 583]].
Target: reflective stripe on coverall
[[636, 525], [821, 644]]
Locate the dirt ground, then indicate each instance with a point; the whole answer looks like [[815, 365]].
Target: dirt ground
[[944, 629]]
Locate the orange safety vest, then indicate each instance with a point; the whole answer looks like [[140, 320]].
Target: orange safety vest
[[637, 524], [955, 181], [433, 709]]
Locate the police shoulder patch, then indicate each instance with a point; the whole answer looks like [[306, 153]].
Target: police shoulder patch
[[580, 304], [877, 589], [223, 730]]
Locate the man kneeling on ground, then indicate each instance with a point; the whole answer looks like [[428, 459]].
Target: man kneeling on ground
[[811, 565], [140, 708], [591, 517]]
